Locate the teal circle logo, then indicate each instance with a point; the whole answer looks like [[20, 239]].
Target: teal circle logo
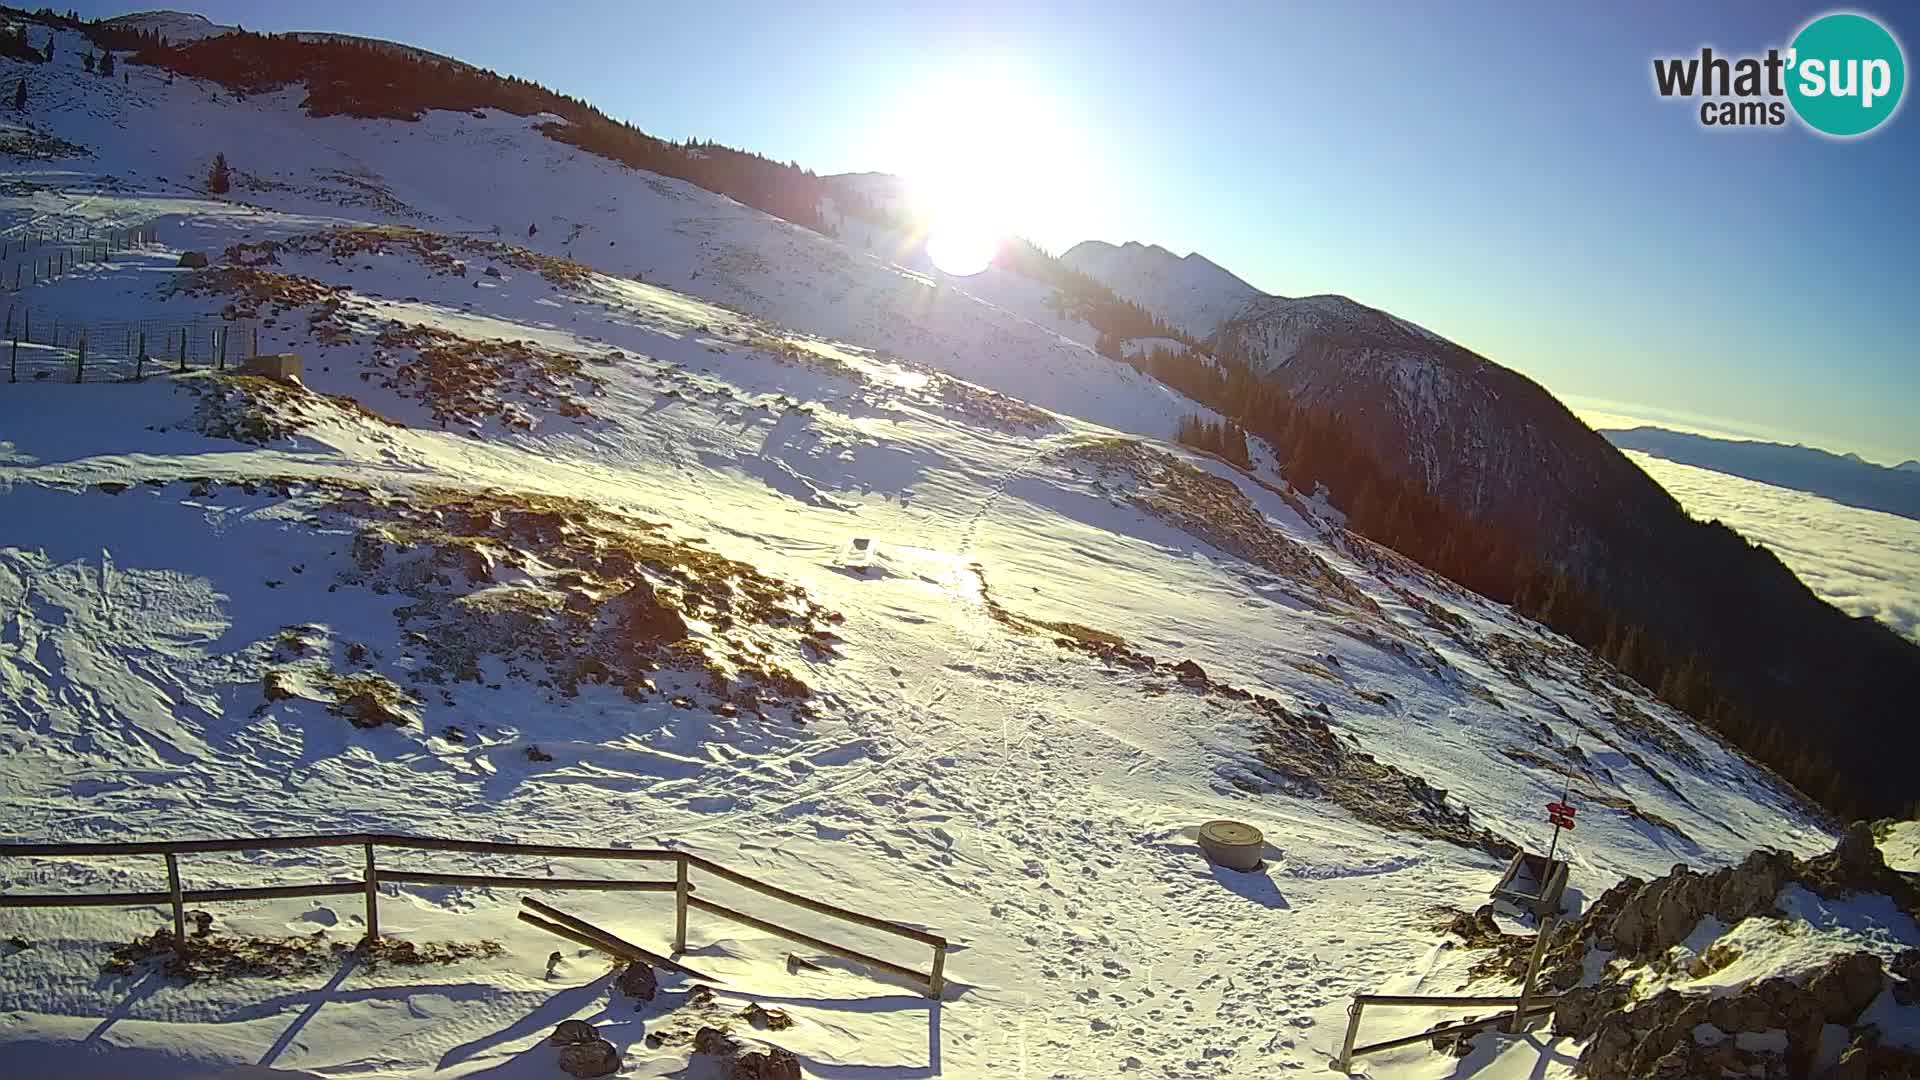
[[1846, 73]]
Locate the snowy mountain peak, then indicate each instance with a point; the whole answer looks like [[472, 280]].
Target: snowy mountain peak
[[1190, 292]]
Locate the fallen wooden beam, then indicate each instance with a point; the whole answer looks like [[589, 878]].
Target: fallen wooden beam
[[609, 942], [557, 930]]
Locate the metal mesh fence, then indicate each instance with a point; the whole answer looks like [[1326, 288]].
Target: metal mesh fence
[[31, 254], [43, 345]]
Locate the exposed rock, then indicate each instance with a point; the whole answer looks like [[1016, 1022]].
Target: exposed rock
[[572, 1031], [637, 981], [773, 1063], [274, 686], [1847, 985], [714, 1041], [1907, 967], [1578, 1012], [196, 260], [534, 753], [596, 1058], [1658, 915], [1190, 673], [365, 709], [766, 1019], [1865, 1059]]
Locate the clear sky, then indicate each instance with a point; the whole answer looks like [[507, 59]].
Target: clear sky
[[1503, 173]]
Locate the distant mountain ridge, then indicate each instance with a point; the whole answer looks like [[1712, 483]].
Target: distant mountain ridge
[[1553, 518], [1190, 292], [1844, 478]]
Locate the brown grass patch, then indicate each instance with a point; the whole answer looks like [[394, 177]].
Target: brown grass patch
[[258, 410], [221, 956], [604, 599], [1214, 510], [467, 381], [437, 251]]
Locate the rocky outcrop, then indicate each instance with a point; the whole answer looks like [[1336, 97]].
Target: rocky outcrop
[[1674, 1034], [583, 1052], [1660, 914], [637, 981]]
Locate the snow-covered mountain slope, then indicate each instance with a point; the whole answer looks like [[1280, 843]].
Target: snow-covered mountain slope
[[721, 534], [1188, 291], [175, 26]]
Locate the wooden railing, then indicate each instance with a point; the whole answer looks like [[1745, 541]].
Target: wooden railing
[[682, 886], [1526, 1005]]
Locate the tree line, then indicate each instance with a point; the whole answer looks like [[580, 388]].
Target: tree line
[[379, 81], [1696, 614]]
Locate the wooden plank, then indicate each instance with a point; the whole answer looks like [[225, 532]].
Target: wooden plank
[[1455, 1029], [818, 906], [1419, 999], [173, 894], [373, 898], [497, 847], [185, 847], [574, 922], [274, 892], [575, 936], [681, 887], [527, 882], [66, 900], [809, 940]]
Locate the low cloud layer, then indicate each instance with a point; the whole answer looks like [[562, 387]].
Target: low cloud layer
[[1861, 561]]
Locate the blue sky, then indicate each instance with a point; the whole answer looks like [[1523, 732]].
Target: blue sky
[[1503, 173]]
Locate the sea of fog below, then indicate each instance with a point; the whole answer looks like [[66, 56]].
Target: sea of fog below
[[1862, 561]]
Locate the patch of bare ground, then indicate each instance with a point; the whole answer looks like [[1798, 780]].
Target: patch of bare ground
[[439, 252], [1520, 659], [1214, 510], [1298, 753], [468, 381], [1588, 794], [220, 956], [590, 597], [258, 410], [991, 407], [38, 145], [254, 289]]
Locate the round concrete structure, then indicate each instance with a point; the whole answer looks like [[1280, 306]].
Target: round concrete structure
[[1233, 844]]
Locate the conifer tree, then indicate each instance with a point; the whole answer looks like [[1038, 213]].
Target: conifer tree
[[219, 179], [106, 63], [20, 97]]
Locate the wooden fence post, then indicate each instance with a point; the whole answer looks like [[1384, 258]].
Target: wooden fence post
[[179, 905], [183, 350], [1345, 1060], [937, 979], [373, 900], [256, 339], [1533, 969], [140, 359], [13, 365], [80, 364], [680, 905], [225, 332]]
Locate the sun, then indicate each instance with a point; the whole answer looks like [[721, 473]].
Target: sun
[[979, 163]]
